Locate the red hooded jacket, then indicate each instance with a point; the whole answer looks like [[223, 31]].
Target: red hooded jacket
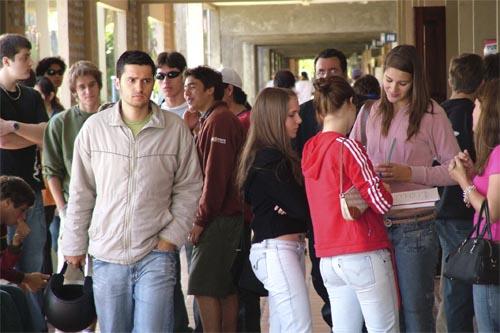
[[320, 165]]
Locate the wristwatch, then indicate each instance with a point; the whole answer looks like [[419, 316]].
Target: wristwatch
[[15, 126]]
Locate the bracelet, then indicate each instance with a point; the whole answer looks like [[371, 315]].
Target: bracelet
[[467, 192]]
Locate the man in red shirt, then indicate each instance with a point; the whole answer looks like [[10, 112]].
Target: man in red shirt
[[217, 228], [16, 196]]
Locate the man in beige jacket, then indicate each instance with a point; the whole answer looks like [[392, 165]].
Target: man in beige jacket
[[134, 190]]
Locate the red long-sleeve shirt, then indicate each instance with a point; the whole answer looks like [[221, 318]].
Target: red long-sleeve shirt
[[8, 259], [320, 164], [219, 142]]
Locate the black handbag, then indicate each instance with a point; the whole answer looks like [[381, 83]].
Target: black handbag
[[476, 259], [241, 270]]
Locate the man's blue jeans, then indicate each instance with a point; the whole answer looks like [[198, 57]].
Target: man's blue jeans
[[416, 249], [457, 296], [33, 254], [136, 297]]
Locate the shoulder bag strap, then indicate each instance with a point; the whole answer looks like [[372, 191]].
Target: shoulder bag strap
[[487, 222]]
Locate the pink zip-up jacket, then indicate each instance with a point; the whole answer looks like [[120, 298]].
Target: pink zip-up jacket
[[435, 141]]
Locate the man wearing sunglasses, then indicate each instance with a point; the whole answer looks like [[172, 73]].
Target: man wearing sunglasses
[[170, 66], [53, 68]]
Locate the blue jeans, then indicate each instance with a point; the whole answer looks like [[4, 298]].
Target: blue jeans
[[54, 232], [487, 307], [33, 255], [136, 297], [457, 296], [416, 250]]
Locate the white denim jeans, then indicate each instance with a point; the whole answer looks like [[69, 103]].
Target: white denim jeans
[[361, 285], [279, 265]]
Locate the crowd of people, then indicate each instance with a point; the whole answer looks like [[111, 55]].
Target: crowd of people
[[126, 185]]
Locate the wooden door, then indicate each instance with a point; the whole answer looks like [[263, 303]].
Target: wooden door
[[430, 41]]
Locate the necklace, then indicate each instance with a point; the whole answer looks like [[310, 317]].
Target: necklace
[[8, 93]]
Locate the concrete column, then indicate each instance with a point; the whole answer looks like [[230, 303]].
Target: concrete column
[[180, 25], [214, 42], [101, 54], [405, 22], [263, 67], [63, 46], [249, 71], [194, 31], [12, 16], [91, 45], [42, 24], [169, 28]]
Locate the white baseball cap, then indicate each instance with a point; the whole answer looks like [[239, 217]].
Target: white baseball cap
[[229, 76]]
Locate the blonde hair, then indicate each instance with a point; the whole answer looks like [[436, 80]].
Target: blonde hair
[[267, 130]]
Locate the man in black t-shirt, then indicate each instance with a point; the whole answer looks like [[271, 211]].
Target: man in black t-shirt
[[454, 220], [22, 123]]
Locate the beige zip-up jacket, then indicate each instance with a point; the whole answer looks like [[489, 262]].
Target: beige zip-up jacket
[[126, 193]]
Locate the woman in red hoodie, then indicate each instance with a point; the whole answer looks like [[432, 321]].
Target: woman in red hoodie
[[355, 255]]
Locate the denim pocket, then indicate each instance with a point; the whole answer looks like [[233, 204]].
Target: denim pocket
[[358, 270], [418, 240], [259, 265]]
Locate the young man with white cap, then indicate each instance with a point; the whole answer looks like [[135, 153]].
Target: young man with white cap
[[236, 100], [235, 97]]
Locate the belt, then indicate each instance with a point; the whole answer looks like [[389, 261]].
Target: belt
[[389, 221]]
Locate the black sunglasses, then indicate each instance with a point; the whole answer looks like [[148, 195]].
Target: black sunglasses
[[160, 76], [51, 71]]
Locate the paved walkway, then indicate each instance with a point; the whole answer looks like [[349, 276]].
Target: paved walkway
[[319, 326]]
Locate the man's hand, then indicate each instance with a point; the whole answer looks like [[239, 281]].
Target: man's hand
[[6, 127], [166, 246], [22, 231], [195, 233], [35, 281], [75, 261], [191, 118]]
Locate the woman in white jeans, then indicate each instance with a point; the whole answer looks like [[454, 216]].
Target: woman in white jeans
[[356, 263], [270, 177]]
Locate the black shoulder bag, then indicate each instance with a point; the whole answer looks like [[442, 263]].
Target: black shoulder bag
[[476, 259]]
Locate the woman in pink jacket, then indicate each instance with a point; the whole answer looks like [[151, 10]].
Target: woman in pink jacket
[[406, 134], [355, 255]]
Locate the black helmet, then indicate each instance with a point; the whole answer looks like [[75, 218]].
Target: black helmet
[[69, 307]]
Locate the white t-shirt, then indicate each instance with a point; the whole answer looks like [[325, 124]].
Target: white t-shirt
[[178, 110]]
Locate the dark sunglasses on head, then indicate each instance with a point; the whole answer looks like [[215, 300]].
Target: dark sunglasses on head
[[51, 71], [171, 75]]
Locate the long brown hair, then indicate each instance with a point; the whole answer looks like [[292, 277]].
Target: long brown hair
[[487, 132], [267, 130], [406, 59]]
